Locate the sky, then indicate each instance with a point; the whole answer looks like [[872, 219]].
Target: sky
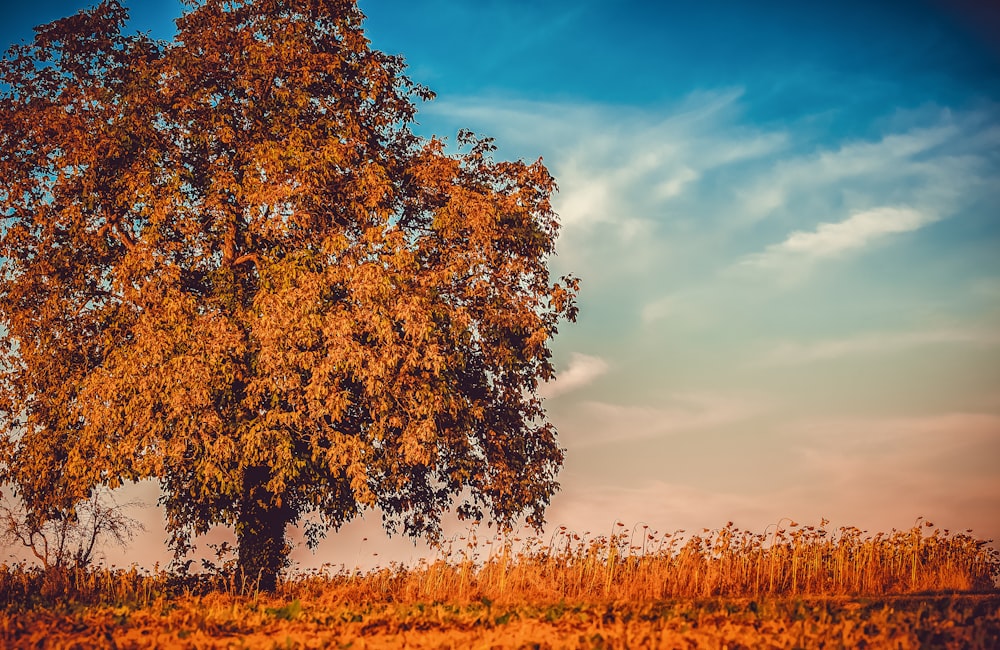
[[786, 218]]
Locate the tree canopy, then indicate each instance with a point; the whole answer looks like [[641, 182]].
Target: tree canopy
[[228, 264]]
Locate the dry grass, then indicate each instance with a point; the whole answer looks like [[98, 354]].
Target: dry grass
[[793, 586], [631, 565], [640, 565]]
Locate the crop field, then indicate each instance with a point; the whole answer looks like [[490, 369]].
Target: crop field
[[801, 587]]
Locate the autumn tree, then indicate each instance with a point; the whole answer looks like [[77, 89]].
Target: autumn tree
[[229, 265]]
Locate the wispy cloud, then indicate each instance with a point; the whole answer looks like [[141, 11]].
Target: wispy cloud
[[582, 370], [859, 230], [949, 430], [931, 464], [598, 422], [661, 505], [696, 193], [793, 353], [871, 472], [622, 171], [922, 164]]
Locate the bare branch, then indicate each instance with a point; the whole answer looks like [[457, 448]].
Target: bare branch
[[65, 539]]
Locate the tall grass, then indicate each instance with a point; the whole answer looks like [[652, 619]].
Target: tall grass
[[638, 564], [629, 564]]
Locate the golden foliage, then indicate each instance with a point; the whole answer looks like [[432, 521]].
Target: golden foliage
[[227, 263]]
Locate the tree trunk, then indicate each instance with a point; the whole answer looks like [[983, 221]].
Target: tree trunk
[[260, 532]]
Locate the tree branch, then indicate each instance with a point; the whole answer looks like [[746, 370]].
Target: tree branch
[[249, 257], [117, 233]]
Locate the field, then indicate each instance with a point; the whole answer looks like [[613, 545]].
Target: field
[[800, 587]]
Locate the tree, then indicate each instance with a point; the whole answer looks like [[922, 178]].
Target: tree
[[70, 540], [229, 265]]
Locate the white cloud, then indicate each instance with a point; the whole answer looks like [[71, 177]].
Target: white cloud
[[856, 231], [621, 171], [793, 353], [830, 239], [582, 370], [895, 166]]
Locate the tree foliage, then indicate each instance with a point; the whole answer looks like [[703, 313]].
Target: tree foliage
[[229, 265]]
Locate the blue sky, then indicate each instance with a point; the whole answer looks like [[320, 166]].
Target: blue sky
[[785, 216]]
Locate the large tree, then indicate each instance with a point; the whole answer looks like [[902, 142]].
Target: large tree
[[229, 265]]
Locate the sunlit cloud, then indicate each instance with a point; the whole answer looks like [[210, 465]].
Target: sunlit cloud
[[582, 370]]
